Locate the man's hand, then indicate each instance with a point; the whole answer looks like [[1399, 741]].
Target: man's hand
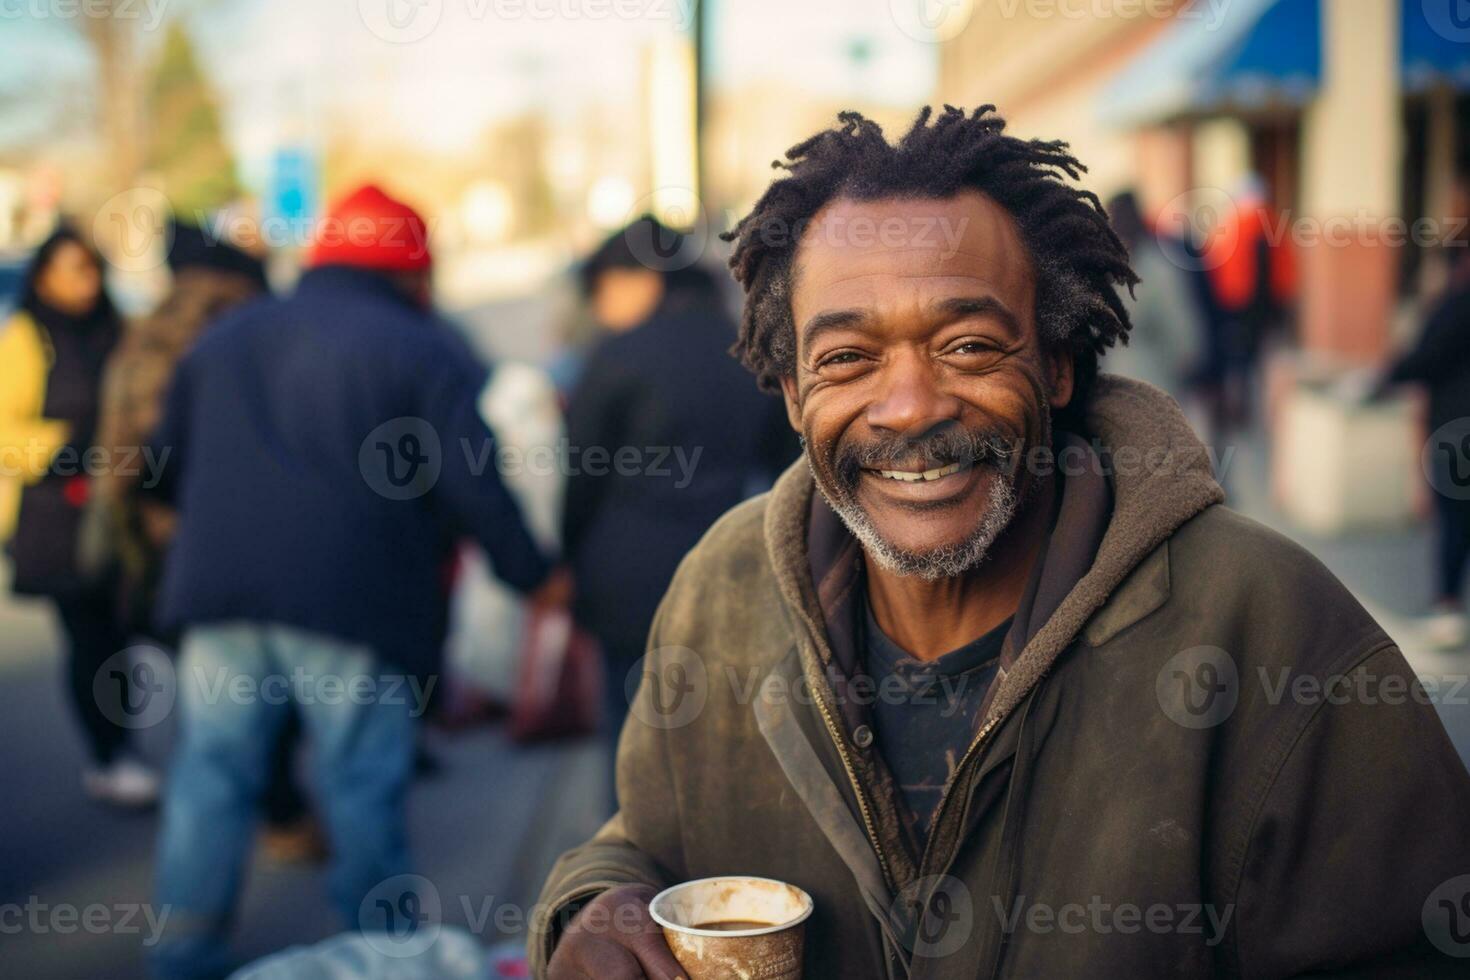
[[614, 938]]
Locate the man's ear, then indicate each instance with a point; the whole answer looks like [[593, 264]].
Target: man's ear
[[1061, 372], [792, 396]]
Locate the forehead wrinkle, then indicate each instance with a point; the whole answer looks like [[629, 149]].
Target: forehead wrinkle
[[1024, 270]]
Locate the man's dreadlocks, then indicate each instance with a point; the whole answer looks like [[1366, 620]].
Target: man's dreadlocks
[[1077, 259]]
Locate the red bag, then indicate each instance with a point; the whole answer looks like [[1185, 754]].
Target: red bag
[[559, 688]]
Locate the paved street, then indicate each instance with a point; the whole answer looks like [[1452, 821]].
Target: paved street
[[485, 830]]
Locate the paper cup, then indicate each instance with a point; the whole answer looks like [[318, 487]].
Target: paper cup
[[734, 928]]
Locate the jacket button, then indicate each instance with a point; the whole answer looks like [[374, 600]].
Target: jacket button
[[862, 736]]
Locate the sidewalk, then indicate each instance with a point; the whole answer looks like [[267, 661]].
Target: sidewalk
[[484, 831]]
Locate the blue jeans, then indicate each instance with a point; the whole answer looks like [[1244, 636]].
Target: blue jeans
[[236, 684]]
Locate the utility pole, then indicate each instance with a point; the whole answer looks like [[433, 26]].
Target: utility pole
[[701, 108]]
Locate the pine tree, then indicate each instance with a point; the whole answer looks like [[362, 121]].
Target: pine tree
[[186, 145]]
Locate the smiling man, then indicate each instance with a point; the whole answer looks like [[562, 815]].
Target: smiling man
[[993, 674]]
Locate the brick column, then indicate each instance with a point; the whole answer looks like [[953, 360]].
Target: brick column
[[1351, 147]]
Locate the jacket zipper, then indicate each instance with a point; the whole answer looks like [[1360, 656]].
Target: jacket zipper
[[944, 798], [857, 789]]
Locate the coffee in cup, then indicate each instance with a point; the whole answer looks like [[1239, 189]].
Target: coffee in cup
[[734, 928]]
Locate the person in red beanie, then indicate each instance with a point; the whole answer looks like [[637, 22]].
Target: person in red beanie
[[323, 452], [368, 229]]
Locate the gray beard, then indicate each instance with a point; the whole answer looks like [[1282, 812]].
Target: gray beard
[[949, 561]]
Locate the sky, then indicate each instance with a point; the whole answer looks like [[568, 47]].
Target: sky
[[438, 71]]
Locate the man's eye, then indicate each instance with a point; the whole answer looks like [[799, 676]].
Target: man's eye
[[973, 347], [841, 357]]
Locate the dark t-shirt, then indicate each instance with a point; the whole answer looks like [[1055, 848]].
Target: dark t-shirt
[[926, 714]]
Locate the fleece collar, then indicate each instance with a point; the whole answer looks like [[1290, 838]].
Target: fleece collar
[[1160, 476]]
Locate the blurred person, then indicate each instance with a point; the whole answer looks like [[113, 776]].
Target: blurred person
[[52, 352], [1167, 341], [995, 648], [658, 389], [323, 453], [575, 332], [1439, 361], [1252, 279], [210, 276]]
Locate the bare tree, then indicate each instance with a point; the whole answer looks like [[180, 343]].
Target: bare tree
[[113, 41]]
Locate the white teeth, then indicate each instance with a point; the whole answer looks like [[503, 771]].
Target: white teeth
[[933, 474]]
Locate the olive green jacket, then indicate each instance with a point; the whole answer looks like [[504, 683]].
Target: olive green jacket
[[1207, 760]]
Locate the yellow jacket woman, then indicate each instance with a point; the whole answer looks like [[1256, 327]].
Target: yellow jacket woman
[[52, 352], [28, 440]]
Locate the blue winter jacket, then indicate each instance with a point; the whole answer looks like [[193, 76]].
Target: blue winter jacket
[[324, 451]]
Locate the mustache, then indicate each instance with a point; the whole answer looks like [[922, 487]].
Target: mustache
[[940, 446]]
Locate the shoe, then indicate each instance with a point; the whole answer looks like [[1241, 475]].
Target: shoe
[[1447, 630], [297, 843], [124, 782]]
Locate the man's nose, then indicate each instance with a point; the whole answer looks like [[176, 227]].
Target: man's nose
[[911, 399]]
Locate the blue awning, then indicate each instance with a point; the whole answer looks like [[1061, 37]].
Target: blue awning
[[1435, 45], [1241, 55]]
